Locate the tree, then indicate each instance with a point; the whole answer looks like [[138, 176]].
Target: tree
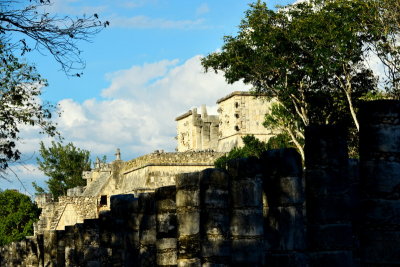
[[64, 165], [25, 26], [281, 119], [52, 33], [309, 57], [17, 215], [382, 21], [20, 88], [253, 147]]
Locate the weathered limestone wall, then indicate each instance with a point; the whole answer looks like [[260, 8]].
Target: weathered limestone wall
[[69, 210], [240, 114], [155, 170], [253, 214], [167, 158], [197, 132], [143, 174]]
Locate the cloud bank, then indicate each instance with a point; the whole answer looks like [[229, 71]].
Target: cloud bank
[[137, 111]]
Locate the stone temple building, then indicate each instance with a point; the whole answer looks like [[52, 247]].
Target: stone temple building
[[202, 138], [239, 113]]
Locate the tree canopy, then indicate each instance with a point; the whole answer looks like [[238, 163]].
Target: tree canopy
[[309, 57], [28, 21], [26, 26], [20, 88], [253, 147], [64, 166], [17, 215]]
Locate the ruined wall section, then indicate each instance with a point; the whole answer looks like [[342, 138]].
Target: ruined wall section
[[197, 131], [240, 114], [69, 210], [155, 170]]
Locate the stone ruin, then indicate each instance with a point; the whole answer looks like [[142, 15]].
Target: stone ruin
[[240, 113], [260, 212], [200, 137]]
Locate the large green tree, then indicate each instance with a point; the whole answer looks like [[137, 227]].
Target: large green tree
[[17, 215], [63, 164], [308, 57], [382, 22]]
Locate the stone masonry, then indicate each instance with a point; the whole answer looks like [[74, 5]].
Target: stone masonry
[[239, 113], [259, 212]]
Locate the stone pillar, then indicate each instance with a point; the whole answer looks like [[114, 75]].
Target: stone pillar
[[32, 259], [166, 220], [122, 212], [50, 248], [330, 236], [188, 214], [354, 178], [70, 251], [380, 182], [60, 248], [147, 230], [105, 236], [284, 227], [40, 249], [246, 227], [215, 218], [78, 230], [91, 243]]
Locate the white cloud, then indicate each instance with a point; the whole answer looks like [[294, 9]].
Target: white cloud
[[73, 7], [145, 22], [139, 107], [202, 9], [137, 111]]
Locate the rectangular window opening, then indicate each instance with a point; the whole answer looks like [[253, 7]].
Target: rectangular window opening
[[103, 200]]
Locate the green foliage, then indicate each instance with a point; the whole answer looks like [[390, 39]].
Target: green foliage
[[17, 215], [308, 57], [20, 84], [253, 147], [20, 88], [279, 141], [300, 54], [382, 22], [64, 165]]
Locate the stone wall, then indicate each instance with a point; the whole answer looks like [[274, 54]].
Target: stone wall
[[260, 212], [197, 132], [143, 174], [146, 173], [240, 114], [160, 158], [68, 210]]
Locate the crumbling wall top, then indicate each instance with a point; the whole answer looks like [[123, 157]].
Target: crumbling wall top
[[172, 158]]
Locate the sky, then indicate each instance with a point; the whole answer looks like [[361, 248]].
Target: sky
[[141, 73]]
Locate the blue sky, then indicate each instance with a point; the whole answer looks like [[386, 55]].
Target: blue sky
[[141, 73]]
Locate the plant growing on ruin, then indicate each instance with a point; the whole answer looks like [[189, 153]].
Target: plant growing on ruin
[[17, 215], [253, 147], [63, 164]]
